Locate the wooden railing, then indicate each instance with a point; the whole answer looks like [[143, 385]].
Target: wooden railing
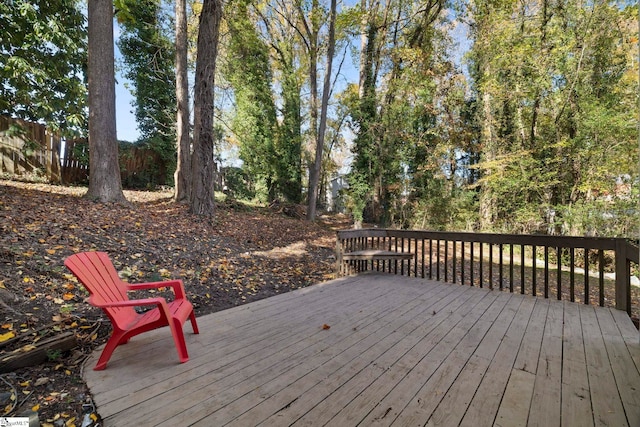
[[592, 270]]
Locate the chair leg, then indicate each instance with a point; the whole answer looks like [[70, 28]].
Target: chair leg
[[109, 348], [178, 338], [194, 325]]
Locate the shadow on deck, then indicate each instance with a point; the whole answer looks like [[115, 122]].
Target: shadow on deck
[[399, 351]]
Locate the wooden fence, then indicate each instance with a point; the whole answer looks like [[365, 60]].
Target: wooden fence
[[28, 148], [572, 268]]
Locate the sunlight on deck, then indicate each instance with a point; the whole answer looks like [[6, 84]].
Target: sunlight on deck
[[398, 351]]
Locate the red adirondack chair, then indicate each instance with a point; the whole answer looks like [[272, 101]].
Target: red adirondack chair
[[96, 272]]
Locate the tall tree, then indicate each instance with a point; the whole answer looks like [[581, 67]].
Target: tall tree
[[279, 32], [43, 57], [314, 170], [203, 163], [182, 177], [104, 172]]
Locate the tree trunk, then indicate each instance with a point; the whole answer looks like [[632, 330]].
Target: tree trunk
[[182, 175], [314, 176], [312, 30], [203, 164], [105, 184]]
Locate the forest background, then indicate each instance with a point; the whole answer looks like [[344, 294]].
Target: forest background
[[536, 132]]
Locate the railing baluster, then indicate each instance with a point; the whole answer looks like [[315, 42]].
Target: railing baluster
[[422, 258], [534, 269], [446, 260], [601, 276], [471, 264], [500, 266], [522, 269], [559, 282], [511, 268], [454, 261], [480, 265], [587, 297], [546, 271], [462, 256], [572, 274], [430, 259], [490, 265], [438, 259]]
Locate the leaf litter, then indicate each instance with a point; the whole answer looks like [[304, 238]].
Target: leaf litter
[[243, 255]]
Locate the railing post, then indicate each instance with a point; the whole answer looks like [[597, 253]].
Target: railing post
[[339, 271], [623, 282]]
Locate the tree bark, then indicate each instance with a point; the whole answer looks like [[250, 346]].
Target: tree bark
[[314, 176], [312, 29], [203, 164], [182, 176], [105, 184]]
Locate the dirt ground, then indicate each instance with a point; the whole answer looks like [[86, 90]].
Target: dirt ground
[[242, 255]]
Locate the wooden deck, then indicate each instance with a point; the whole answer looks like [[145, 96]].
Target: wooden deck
[[399, 351]]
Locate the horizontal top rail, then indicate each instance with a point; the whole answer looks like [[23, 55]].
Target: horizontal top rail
[[604, 243]]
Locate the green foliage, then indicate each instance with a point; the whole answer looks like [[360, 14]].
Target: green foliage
[[249, 72], [43, 57], [238, 184], [555, 114]]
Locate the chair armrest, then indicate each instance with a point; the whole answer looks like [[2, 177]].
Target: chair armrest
[[132, 303], [176, 285]]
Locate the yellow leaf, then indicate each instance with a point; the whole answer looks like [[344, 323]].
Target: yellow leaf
[[7, 336], [35, 408], [25, 384], [2, 284], [27, 347], [51, 251], [7, 326], [94, 337], [93, 417], [27, 280], [68, 296]]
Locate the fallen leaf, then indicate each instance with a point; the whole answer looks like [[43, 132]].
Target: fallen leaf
[[325, 326], [7, 336]]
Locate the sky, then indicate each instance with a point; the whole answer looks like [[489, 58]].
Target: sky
[[126, 126]]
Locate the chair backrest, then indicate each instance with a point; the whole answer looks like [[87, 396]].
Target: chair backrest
[[96, 272]]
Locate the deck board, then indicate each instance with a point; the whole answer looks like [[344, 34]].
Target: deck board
[[399, 351]]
